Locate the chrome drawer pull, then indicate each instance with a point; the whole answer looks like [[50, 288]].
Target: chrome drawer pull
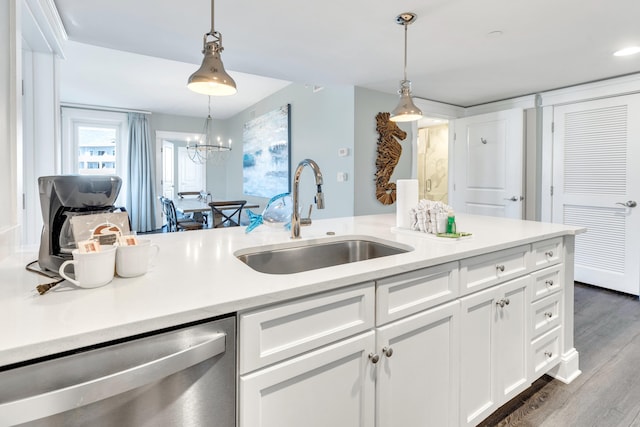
[[387, 351], [374, 358], [549, 253], [548, 314], [548, 354], [500, 267], [549, 282]]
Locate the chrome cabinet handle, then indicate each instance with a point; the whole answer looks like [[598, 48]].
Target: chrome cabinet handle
[[374, 358], [512, 199], [629, 204], [549, 282], [548, 314], [549, 253], [387, 351], [548, 354], [503, 302], [500, 267], [50, 403]]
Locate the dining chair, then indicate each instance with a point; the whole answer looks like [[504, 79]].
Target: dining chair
[[227, 213], [173, 222]]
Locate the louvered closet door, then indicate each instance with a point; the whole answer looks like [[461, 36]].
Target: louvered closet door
[[596, 175]]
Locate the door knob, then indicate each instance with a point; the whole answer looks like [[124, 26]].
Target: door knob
[[512, 199], [629, 204]]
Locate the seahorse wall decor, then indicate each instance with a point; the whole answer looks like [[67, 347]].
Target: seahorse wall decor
[[389, 151]]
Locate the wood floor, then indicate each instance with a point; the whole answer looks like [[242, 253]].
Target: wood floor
[[607, 394]]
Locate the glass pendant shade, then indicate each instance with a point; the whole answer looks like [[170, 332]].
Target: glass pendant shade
[[211, 78], [406, 111]]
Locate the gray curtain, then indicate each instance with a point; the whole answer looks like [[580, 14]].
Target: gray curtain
[[141, 199]]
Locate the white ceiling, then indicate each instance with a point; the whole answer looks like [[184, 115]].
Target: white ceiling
[[453, 56]]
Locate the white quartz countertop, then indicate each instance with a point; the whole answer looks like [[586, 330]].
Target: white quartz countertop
[[197, 276]]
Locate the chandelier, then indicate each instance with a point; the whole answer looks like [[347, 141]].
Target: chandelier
[[205, 148]]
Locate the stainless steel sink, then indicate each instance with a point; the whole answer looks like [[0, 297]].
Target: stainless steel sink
[[304, 256]]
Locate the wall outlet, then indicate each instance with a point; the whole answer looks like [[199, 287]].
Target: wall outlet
[[342, 176], [343, 152]]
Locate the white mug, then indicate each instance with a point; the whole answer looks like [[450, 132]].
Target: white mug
[[91, 269], [132, 261]]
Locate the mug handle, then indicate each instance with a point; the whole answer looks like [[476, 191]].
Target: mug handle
[[62, 273]]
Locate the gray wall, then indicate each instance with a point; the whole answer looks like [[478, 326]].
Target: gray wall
[[368, 104], [321, 123]]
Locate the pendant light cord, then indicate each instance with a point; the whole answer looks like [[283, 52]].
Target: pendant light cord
[[405, 51], [212, 15]]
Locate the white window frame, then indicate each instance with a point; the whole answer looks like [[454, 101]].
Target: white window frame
[[72, 118]]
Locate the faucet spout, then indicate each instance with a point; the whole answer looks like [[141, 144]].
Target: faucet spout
[[319, 199]]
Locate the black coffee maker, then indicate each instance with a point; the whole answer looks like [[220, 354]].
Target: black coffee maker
[[61, 198]]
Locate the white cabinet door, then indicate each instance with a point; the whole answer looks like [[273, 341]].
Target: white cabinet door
[[513, 338], [493, 348], [488, 164], [418, 370], [332, 386], [596, 184]]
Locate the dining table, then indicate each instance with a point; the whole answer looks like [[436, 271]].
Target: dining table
[[186, 206]]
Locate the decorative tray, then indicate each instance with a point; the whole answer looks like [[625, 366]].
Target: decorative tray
[[441, 236]]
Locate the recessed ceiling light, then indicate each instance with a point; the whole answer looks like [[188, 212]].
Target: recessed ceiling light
[[630, 50]]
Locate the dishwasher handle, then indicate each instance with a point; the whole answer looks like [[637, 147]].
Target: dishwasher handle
[[56, 401]]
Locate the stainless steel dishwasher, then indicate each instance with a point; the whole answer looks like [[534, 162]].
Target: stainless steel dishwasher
[[181, 377]]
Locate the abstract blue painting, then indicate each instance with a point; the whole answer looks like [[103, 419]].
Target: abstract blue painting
[[265, 159]]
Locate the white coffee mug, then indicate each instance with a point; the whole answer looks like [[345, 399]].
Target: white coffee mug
[[91, 269], [132, 261]]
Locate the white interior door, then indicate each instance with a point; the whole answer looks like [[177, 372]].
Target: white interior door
[[596, 184], [191, 176], [167, 169], [487, 164]]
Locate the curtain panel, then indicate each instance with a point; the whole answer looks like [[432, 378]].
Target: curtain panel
[[141, 198]]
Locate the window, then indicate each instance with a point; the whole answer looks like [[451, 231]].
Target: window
[[97, 149], [95, 143]]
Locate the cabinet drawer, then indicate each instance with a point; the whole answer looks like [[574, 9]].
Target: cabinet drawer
[[409, 293], [546, 282], [482, 271], [547, 252], [545, 314], [545, 353], [284, 330]]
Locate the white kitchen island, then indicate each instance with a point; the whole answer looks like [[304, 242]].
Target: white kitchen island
[[443, 334]]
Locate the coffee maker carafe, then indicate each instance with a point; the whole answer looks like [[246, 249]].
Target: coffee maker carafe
[[65, 196]]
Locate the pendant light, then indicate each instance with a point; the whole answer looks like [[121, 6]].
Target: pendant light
[[211, 78], [406, 111]]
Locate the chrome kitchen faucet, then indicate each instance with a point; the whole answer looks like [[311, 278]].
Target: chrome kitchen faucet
[[295, 214]]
